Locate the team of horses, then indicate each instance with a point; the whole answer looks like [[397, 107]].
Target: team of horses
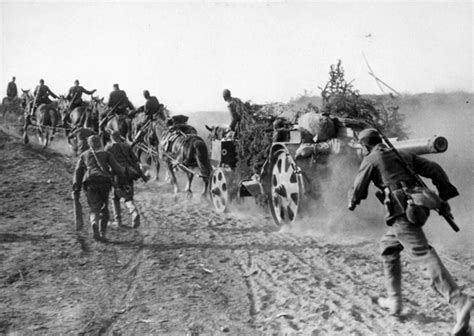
[[185, 151]]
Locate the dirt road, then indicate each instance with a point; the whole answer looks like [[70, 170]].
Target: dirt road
[[187, 269]]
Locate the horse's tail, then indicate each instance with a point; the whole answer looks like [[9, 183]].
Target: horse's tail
[[202, 158]]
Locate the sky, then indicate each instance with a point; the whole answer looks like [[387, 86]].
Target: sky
[[186, 53]]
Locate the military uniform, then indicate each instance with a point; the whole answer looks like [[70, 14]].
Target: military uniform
[[119, 100], [124, 155], [384, 168], [239, 115], [153, 107], [42, 93], [81, 134], [12, 91], [75, 96], [97, 184]]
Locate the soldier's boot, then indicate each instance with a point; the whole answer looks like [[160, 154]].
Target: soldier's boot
[[393, 283], [94, 218], [444, 284], [462, 306], [104, 220], [134, 212], [117, 212]]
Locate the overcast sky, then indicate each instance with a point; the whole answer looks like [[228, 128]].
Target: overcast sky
[[187, 53]]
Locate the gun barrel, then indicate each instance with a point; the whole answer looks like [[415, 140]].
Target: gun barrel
[[435, 144]]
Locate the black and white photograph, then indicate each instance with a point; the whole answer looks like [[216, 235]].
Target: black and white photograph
[[236, 167]]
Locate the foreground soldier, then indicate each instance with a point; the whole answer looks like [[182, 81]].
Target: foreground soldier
[[238, 112], [384, 168], [95, 169], [124, 155], [81, 134]]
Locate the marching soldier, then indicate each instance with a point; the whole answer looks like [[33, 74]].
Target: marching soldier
[[75, 98], [240, 116], [387, 171], [124, 155], [81, 134], [95, 170]]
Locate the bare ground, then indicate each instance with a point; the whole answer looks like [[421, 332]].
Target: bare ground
[[187, 269]]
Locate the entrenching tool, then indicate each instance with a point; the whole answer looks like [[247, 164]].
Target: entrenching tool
[[76, 196]]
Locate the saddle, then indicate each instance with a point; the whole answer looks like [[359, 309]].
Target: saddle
[[174, 133]]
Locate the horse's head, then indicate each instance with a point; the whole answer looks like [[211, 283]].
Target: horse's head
[[63, 103], [26, 98], [217, 132]]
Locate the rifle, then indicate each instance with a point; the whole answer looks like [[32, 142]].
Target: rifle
[[445, 214], [107, 117]]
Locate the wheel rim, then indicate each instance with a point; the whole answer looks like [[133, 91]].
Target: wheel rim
[[219, 190], [286, 185]]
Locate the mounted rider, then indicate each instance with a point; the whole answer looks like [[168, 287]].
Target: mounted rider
[[153, 110], [75, 98], [239, 113], [125, 156], [12, 91], [42, 93], [119, 101]]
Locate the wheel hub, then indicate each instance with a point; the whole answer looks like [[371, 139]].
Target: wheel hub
[[280, 190]]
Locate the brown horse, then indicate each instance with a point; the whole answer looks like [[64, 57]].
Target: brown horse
[[46, 118], [84, 115], [185, 150], [110, 122]]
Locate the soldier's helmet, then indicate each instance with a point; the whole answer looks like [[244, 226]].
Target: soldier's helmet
[[226, 93], [369, 136], [94, 142]]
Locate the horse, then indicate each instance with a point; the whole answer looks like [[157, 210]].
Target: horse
[[47, 118], [12, 106], [85, 115], [110, 123], [185, 150]]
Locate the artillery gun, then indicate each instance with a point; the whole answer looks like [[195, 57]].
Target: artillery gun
[[291, 177]]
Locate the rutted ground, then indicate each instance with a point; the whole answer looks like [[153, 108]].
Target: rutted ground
[[187, 270]]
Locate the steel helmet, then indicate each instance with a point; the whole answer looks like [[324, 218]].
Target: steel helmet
[[368, 134]]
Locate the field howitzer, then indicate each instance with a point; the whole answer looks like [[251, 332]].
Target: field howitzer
[[436, 144]]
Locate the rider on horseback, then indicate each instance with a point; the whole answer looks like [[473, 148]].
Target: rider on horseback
[[42, 93], [75, 98], [118, 101], [12, 91]]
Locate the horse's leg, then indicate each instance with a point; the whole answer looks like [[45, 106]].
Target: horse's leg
[[188, 184], [25, 130], [202, 159], [172, 175]]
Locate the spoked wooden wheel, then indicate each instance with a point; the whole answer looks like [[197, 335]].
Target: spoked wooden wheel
[[219, 187], [286, 189]]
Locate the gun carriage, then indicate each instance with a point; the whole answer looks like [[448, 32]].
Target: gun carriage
[[290, 178]]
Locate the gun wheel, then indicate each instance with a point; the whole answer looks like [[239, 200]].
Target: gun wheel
[[286, 189], [219, 190]]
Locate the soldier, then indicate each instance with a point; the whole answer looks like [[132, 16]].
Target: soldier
[[384, 168], [123, 153], [153, 107], [239, 113], [118, 100], [75, 98], [42, 93], [81, 134], [95, 169], [12, 91]]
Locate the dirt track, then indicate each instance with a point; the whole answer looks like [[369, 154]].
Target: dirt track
[[187, 269]]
